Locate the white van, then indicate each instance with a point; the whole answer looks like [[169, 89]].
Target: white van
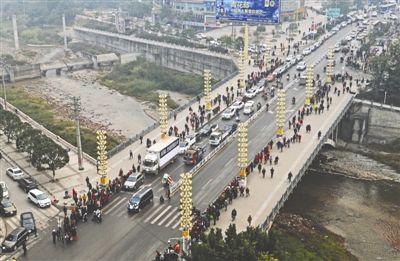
[[248, 107]]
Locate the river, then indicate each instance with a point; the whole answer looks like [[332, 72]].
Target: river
[[355, 197]]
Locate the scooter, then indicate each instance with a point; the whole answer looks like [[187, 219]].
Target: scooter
[[97, 216]]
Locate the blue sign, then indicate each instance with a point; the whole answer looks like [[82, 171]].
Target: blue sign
[[266, 11], [333, 12]]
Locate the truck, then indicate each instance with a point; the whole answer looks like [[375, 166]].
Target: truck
[[194, 155], [218, 136], [159, 155]]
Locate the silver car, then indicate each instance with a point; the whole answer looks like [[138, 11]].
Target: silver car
[[15, 173]]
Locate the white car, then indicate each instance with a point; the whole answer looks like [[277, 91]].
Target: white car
[[306, 51], [337, 49], [228, 113], [348, 38], [289, 58], [238, 105], [15, 173], [251, 93], [5, 189], [299, 57], [187, 143], [301, 66], [248, 107], [134, 181], [259, 88], [39, 198]]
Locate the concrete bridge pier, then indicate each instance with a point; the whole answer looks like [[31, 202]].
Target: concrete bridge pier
[[359, 130], [58, 71], [44, 73]]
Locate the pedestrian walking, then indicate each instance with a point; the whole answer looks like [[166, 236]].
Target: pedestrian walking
[[233, 214], [247, 192], [54, 234], [249, 219], [24, 247], [141, 139], [259, 167], [130, 154], [272, 172], [290, 175], [319, 134], [139, 158], [175, 116], [263, 172]]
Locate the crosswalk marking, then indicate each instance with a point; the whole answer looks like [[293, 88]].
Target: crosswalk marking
[[160, 215], [165, 218], [114, 206], [170, 222], [153, 214], [177, 224]]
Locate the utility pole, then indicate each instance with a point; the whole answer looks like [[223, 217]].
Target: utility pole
[[15, 30], [64, 33], [77, 110], [4, 68]]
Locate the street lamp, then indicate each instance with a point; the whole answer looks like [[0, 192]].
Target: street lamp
[[207, 89], [186, 206], [246, 42], [330, 66], [163, 114], [267, 57], [281, 111], [102, 156], [4, 67], [242, 148], [241, 69], [309, 84]]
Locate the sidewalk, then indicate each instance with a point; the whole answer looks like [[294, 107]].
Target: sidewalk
[[70, 177], [266, 192]]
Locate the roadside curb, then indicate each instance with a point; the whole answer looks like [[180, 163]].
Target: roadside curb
[[3, 230]]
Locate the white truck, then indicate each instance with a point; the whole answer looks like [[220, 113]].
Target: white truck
[[218, 136], [161, 154]]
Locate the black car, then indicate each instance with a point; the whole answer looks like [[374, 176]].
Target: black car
[[207, 129], [232, 127], [15, 239], [27, 184], [7, 208], [28, 221]]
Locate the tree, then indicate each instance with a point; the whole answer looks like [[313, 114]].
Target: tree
[[1, 193], [10, 125], [55, 157], [27, 139]]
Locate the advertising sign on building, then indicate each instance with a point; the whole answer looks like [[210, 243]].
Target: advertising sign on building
[[333, 12], [266, 11]]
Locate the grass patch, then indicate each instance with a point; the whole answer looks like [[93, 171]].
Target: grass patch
[[142, 79], [87, 48], [38, 35], [45, 114], [391, 98]]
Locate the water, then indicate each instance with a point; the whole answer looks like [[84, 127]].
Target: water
[[355, 197]]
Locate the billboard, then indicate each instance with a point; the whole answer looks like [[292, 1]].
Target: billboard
[[266, 11], [333, 12]]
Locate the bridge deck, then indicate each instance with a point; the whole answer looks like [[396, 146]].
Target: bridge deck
[[52, 66], [78, 62], [265, 194]]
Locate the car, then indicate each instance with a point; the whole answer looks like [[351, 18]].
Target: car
[[301, 66], [258, 89], [248, 107], [232, 127], [5, 189], [15, 173], [207, 129], [299, 57], [7, 208], [343, 24], [27, 184], [228, 113], [28, 222], [134, 181], [289, 58], [271, 77], [15, 239], [140, 199], [337, 49], [306, 51], [348, 38], [238, 105], [251, 93], [186, 144], [39, 198]]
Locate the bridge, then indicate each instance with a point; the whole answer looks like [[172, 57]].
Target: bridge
[[172, 56]]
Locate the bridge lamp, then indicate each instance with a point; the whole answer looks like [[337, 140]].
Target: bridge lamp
[[102, 156], [281, 111], [186, 206], [309, 84], [207, 89], [242, 148], [163, 114], [241, 69], [330, 66]]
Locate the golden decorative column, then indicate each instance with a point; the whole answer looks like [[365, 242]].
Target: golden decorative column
[[241, 69], [246, 42], [309, 84], [207, 89], [242, 148], [186, 207], [280, 111], [163, 114], [268, 56], [102, 156], [330, 66]]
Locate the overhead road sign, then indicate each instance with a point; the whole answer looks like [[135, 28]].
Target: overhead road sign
[[262, 11], [333, 12]]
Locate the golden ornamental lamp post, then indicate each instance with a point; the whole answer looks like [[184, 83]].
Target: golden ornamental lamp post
[[186, 206], [268, 57], [280, 111], [330, 66], [207, 89], [242, 148], [102, 156], [309, 84], [163, 114], [241, 69], [246, 42]]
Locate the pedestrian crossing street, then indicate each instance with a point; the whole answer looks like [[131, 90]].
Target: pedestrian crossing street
[[157, 214], [42, 218]]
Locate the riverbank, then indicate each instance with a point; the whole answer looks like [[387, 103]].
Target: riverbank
[[350, 198]]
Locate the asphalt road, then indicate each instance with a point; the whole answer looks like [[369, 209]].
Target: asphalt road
[[136, 237]]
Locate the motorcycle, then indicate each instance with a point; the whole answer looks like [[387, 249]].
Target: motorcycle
[[97, 216]]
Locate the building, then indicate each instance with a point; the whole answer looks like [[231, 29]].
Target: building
[[197, 13], [292, 10]]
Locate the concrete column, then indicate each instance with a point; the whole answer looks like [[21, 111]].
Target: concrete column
[[356, 127], [336, 132], [64, 33], [15, 30]]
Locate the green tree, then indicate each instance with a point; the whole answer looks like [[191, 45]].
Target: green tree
[[10, 124], [1, 193], [55, 157]]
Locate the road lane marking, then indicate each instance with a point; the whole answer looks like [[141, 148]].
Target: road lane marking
[[114, 206], [166, 217], [172, 220], [229, 162], [160, 215], [176, 225], [153, 214]]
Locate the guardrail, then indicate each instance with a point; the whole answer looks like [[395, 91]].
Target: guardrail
[[378, 105], [155, 125], [46, 132], [270, 218]]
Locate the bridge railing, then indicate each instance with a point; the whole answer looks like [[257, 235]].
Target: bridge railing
[[275, 210], [155, 125], [378, 105]]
